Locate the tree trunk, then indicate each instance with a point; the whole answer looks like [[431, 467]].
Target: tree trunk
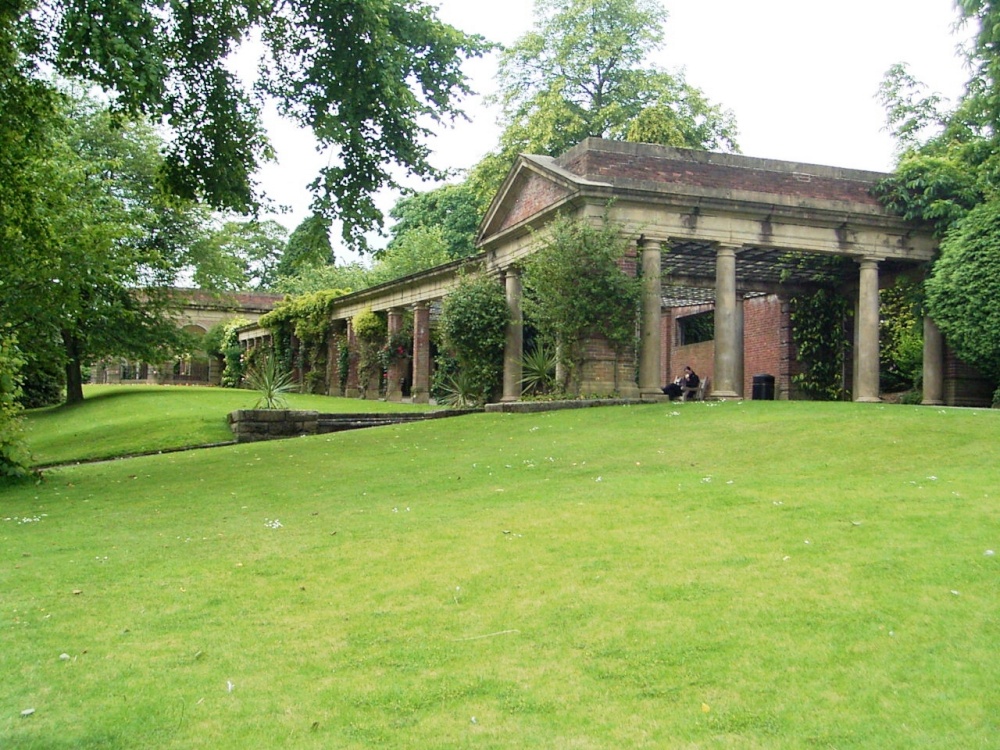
[[74, 376]]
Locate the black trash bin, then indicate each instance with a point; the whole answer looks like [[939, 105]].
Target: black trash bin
[[763, 387]]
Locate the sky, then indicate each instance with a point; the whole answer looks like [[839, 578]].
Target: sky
[[801, 77]]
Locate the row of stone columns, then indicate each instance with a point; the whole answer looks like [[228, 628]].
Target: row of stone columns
[[728, 376]]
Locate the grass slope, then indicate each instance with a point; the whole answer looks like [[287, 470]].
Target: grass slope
[[117, 420], [737, 575]]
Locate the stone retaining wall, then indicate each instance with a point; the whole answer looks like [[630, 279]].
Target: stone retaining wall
[[252, 425]]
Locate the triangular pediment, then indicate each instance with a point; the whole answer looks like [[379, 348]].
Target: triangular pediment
[[533, 186]]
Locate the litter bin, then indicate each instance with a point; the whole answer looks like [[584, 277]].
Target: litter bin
[[763, 387]]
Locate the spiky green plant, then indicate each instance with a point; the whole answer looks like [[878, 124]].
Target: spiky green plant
[[538, 371], [458, 391], [271, 383]]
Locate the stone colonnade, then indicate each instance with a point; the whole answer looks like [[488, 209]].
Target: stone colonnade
[[728, 376]]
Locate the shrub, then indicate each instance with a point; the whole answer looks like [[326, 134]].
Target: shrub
[[14, 457], [474, 320], [576, 288], [43, 382], [538, 370]]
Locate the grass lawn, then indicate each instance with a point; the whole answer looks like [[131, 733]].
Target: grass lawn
[[114, 420], [735, 575]]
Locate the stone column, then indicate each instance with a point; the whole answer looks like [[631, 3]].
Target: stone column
[[933, 364], [866, 385], [421, 391], [351, 389], [513, 347], [728, 347], [739, 375], [393, 387], [650, 375]]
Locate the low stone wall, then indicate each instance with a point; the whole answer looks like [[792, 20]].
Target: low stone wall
[[251, 425]]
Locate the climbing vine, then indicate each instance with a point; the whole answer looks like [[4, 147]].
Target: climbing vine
[[370, 332], [821, 325], [307, 318]]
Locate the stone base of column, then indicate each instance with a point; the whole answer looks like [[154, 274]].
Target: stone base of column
[[352, 393], [932, 402], [418, 397], [724, 396], [868, 400], [509, 399], [656, 394]]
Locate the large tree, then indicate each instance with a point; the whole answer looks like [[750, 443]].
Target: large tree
[[93, 280], [949, 176], [582, 72], [450, 209], [235, 254], [366, 76]]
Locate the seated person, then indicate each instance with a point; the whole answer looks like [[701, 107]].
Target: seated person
[[674, 390], [689, 382]]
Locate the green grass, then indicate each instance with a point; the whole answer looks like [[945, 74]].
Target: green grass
[[752, 575], [117, 420]]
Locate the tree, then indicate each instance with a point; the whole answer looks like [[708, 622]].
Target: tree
[[575, 289], [92, 280], [580, 72], [963, 294], [308, 247], [418, 250], [451, 210], [235, 255], [365, 76], [948, 176]]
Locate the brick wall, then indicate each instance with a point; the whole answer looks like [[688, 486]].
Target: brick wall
[[767, 336], [536, 194], [609, 165], [605, 373], [767, 344], [963, 384]]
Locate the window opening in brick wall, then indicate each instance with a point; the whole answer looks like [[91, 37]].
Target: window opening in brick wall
[[694, 329]]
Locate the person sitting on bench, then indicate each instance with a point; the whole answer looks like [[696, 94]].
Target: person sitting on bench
[[686, 384], [689, 383]]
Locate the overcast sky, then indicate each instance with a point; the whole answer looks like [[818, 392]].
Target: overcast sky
[[800, 75]]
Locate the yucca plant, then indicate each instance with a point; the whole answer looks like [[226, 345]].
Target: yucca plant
[[538, 371], [270, 382], [458, 391]]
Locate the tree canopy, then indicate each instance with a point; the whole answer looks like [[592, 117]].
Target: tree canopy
[[365, 76], [582, 72], [92, 279], [948, 175]]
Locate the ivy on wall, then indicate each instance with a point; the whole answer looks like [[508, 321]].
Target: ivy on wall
[[821, 324], [307, 319], [370, 331]]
